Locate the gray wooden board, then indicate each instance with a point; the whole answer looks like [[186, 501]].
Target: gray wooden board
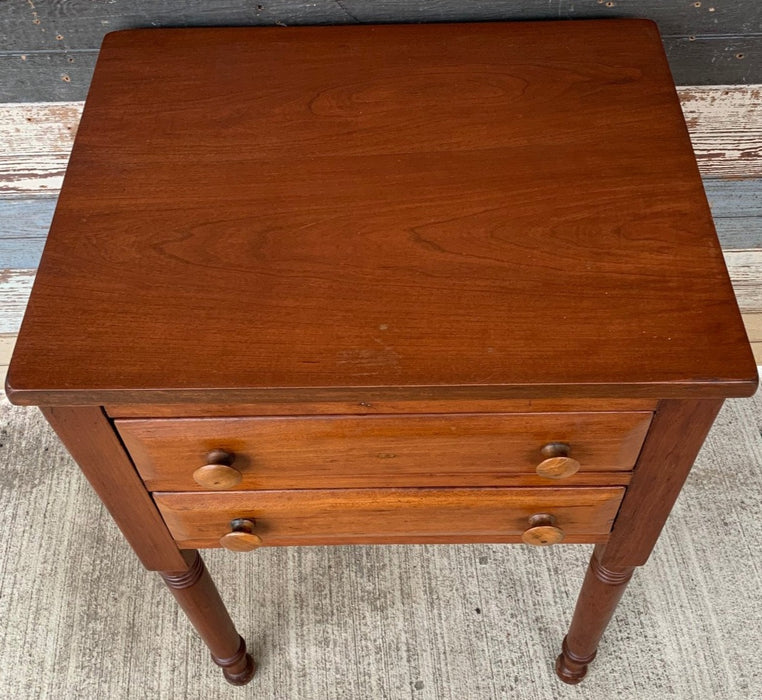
[[736, 206], [80, 24], [58, 76], [715, 60], [48, 49], [46, 76]]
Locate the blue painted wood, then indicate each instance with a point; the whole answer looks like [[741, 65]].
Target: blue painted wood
[[737, 210], [24, 226]]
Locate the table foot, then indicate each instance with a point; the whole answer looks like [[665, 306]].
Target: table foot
[[238, 669], [600, 594], [571, 669], [197, 595]]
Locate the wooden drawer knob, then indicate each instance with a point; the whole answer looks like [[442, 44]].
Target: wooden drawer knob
[[217, 474], [542, 532], [557, 463], [241, 538]]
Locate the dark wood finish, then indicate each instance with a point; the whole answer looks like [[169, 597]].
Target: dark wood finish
[[601, 591], [369, 407], [409, 223], [475, 176], [199, 598], [90, 439], [677, 433], [315, 452], [373, 515]]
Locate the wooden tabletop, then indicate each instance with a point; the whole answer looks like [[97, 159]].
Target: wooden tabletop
[[482, 210]]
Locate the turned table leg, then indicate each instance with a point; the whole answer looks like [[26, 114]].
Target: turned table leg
[[197, 595], [677, 432], [600, 594]]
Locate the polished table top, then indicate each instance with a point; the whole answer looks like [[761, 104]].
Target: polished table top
[[481, 210]]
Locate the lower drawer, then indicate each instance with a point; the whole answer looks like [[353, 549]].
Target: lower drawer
[[355, 516]]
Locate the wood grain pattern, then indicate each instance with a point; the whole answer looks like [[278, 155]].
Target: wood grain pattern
[[375, 451], [384, 515], [380, 206], [49, 48], [676, 436], [92, 442], [725, 124], [301, 408]]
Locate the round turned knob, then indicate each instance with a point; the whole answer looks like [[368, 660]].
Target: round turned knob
[[557, 463], [241, 538], [542, 532], [217, 474]]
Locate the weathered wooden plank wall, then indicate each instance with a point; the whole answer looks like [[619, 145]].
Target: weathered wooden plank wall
[[48, 47]]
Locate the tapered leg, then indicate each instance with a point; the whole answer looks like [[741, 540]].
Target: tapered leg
[[197, 595], [677, 432], [600, 594]]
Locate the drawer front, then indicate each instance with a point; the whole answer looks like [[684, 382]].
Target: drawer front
[[380, 451], [346, 516]]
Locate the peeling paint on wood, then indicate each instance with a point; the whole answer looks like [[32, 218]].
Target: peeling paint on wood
[[725, 123], [39, 127]]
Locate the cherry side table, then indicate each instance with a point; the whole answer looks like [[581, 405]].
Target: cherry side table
[[383, 284]]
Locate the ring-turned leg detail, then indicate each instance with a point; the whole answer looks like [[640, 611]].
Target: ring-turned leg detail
[[239, 668], [197, 595], [601, 591]]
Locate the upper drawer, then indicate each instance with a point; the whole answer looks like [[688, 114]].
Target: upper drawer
[[367, 451]]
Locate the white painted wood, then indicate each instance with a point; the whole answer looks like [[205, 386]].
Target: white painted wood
[[35, 142], [745, 267], [15, 286], [32, 173], [39, 127], [725, 123], [6, 348]]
